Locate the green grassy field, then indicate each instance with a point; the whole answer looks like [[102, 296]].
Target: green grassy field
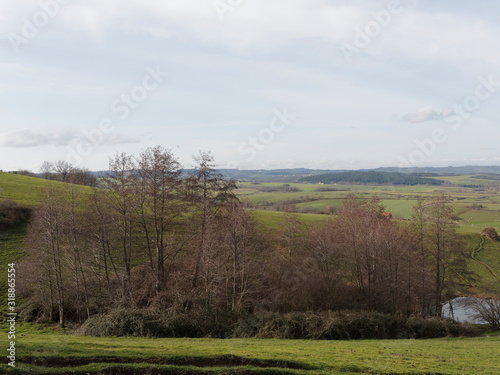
[[64, 354], [476, 208], [271, 219], [484, 263], [26, 190]]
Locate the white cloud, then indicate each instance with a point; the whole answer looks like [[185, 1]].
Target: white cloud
[[416, 33]]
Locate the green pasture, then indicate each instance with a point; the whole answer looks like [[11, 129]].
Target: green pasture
[[474, 221], [475, 208], [64, 354], [321, 205], [271, 219], [484, 263]]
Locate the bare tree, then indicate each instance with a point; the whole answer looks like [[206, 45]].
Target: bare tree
[[442, 246], [159, 209], [237, 258], [208, 191], [358, 222], [420, 227], [82, 176], [103, 238], [46, 236], [290, 232], [46, 170], [486, 309], [120, 181], [63, 169], [75, 232]]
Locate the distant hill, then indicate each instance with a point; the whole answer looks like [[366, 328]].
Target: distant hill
[[295, 174], [371, 177], [467, 169], [274, 175]]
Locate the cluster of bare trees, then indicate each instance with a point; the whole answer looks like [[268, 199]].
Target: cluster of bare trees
[[138, 242], [154, 237], [361, 259], [66, 172]]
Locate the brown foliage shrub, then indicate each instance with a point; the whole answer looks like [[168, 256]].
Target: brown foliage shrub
[[12, 214], [490, 233]]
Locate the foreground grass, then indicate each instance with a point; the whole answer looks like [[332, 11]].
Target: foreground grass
[[63, 354]]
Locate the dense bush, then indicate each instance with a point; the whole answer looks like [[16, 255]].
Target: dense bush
[[490, 233], [12, 214], [299, 325], [151, 323], [347, 326]]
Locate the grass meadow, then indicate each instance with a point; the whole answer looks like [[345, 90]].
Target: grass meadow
[[69, 354], [475, 207], [26, 190]]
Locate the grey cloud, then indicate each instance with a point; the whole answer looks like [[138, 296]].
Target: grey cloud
[[428, 113], [37, 137], [57, 137]]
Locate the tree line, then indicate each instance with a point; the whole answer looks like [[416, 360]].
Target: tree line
[[371, 177], [62, 171], [156, 238]]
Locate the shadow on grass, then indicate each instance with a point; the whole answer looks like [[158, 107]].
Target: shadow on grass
[[218, 361]]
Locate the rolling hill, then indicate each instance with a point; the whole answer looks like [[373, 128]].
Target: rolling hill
[[27, 190]]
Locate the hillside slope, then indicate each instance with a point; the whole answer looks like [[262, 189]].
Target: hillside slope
[[27, 190]]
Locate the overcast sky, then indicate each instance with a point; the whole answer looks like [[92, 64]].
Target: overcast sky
[[260, 83]]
